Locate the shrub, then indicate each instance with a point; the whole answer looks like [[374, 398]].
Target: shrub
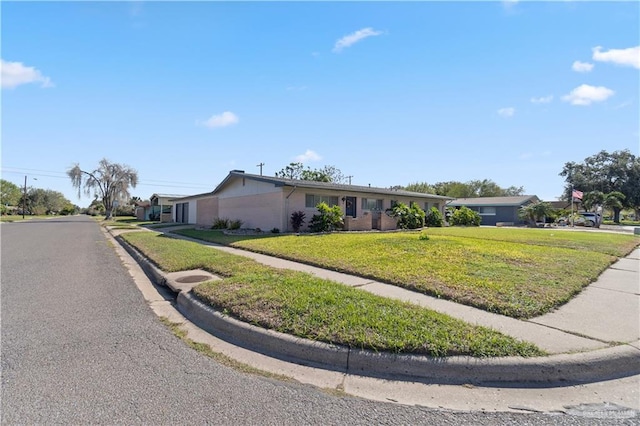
[[220, 223], [409, 217], [434, 218], [297, 219], [464, 216], [235, 224], [275, 231], [328, 218]]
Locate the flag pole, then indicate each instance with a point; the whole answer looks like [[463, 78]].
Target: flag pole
[[572, 219]]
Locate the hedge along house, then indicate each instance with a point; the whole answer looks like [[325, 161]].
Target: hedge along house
[[268, 202], [497, 210]]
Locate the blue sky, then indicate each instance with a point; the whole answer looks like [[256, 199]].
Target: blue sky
[[389, 93]]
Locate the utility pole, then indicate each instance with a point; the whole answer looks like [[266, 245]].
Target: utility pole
[[349, 177], [260, 165], [24, 197]]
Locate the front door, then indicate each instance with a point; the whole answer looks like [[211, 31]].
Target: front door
[[350, 206]]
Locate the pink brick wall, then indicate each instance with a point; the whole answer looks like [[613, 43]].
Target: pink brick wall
[[206, 211], [387, 223], [357, 223]]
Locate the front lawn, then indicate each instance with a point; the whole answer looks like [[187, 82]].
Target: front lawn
[[521, 273], [303, 305]]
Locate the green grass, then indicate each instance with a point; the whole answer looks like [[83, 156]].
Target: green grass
[[622, 222], [300, 304], [520, 273]]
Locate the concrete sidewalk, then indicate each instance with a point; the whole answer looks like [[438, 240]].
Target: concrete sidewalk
[[593, 337]]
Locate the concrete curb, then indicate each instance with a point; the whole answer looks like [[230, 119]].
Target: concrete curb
[[156, 275], [554, 370], [584, 367]]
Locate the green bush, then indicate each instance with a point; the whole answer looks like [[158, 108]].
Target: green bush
[[434, 218], [220, 223], [297, 219], [464, 216], [235, 224], [275, 231], [409, 217], [328, 219]]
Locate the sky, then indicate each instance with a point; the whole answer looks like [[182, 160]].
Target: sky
[[389, 93]]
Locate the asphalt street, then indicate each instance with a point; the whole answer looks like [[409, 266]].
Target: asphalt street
[[80, 345]]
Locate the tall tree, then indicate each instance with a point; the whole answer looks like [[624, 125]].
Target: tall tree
[[470, 189], [325, 174], [45, 201], [334, 174], [10, 193], [422, 187], [292, 171], [618, 171], [109, 181]]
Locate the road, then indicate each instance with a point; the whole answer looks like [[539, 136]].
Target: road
[[81, 346]]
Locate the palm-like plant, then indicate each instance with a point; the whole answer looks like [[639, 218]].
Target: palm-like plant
[[614, 201], [534, 211], [592, 199]]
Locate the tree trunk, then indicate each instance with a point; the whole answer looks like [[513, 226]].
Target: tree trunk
[[107, 214], [616, 215]]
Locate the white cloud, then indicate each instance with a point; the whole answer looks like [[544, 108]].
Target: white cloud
[[225, 119], [581, 66], [309, 155], [506, 112], [14, 74], [353, 38], [542, 99], [585, 95], [629, 56]]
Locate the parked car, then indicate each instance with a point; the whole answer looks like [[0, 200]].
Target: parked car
[[589, 219]]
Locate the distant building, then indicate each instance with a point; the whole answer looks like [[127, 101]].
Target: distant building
[[497, 210]]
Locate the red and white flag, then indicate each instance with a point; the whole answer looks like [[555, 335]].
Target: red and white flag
[[577, 194]]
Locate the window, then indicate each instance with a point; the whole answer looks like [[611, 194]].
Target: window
[[394, 203], [426, 206], [487, 211], [371, 204], [311, 200]]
